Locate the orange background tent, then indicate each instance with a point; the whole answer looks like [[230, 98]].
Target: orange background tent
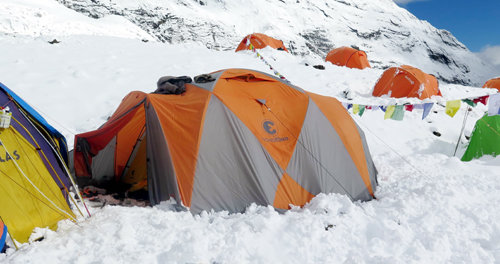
[[247, 137], [349, 57], [260, 41], [406, 81], [493, 83]]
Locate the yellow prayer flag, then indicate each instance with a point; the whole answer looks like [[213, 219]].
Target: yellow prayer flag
[[355, 109], [452, 107], [389, 111]]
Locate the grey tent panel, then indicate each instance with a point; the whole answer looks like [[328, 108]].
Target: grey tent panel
[[372, 170], [324, 165], [103, 164], [233, 169], [162, 181]]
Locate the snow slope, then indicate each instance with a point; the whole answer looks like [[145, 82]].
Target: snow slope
[[431, 207], [47, 18], [390, 35]]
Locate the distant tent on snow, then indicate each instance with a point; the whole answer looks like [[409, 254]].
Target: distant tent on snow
[[493, 83], [260, 41], [406, 81], [33, 180], [242, 137], [485, 138], [349, 57]]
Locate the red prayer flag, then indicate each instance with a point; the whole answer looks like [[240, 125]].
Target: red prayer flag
[[409, 108], [482, 99]]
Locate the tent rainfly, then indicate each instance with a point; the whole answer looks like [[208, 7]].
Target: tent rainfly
[[260, 41], [349, 57], [406, 81], [240, 137]]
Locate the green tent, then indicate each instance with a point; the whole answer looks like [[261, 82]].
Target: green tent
[[485, 139]]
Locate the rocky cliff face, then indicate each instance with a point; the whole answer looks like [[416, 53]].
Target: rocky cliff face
[[390, 35]]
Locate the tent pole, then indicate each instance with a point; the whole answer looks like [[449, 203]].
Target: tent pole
[[462, 130], [63, 165]]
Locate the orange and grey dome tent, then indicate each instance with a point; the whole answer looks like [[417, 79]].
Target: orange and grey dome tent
[[349, 57], [493, 83], [246, 137], [260, 41], [406, 81]]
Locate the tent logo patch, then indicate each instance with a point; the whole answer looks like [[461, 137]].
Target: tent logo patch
[[272, 130], [269, 127]]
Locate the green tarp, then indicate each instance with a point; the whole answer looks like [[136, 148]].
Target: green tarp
[[485, 139]]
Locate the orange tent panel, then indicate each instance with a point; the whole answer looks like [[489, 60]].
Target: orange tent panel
[[290, 192], [181, 120], [349, 57], [493, 83], [406, 81], [288, 105], [260, 41]]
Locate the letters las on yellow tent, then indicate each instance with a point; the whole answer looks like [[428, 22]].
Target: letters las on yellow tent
[[33, 182]]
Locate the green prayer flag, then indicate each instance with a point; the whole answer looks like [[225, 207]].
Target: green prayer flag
[[361, 110], [469, 102], [399, 113]]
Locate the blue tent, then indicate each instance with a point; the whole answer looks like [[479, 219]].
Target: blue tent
[[58, 138], [3, 235]]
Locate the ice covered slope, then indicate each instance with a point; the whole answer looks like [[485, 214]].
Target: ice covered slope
[[390, 34], [50, 19]]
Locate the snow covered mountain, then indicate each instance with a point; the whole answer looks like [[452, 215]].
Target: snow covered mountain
[[389, 34]]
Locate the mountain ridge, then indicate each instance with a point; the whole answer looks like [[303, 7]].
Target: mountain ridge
[[389, 34]]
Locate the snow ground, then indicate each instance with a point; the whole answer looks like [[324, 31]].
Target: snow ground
[[431, 207]]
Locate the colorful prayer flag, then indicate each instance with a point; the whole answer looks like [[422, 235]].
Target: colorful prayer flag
[[427, 110], [409, 107], [482, 99], [355, 109], [469, 102], [494, 105], [399, 113], [452, 107], [361, 110], [389, 111]]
